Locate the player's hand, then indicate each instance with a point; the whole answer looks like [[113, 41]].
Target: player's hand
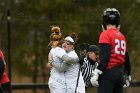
[[49, 65], [50, 59], [50, 56], [127, 80], [95, 76]]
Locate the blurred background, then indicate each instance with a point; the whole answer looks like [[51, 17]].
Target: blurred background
[[30, 29]]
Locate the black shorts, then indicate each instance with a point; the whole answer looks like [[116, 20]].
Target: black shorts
[[111, 81]]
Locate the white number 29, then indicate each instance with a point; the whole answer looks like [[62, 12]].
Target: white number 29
[[120, 47]]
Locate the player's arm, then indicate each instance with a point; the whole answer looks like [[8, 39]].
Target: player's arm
[[104, 55], [69, 60], [127, 71], [60, 66], [127, 65], [57, 65], [49, 65], [66, 58], [1, 68]]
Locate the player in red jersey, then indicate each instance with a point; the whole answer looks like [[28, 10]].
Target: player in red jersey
[[114, 59], [4, 79]]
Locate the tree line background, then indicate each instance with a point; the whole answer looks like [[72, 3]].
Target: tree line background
[[30, 31]]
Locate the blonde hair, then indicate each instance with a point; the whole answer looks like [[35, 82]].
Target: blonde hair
[[55, 37]]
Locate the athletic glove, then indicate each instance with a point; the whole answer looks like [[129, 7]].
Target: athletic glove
[[127, 80], [95, 76]]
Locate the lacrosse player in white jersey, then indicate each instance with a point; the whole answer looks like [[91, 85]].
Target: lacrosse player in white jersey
[[60, 61]]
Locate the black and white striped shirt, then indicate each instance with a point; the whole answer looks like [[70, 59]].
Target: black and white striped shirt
[[86, 68]]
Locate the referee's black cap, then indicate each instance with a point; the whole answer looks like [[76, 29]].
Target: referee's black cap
[[93, 48]]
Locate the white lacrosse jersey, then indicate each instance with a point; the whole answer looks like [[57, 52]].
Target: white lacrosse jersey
[[71, 76], [56, 81]]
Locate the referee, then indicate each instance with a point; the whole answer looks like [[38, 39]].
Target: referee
[[88, 63]]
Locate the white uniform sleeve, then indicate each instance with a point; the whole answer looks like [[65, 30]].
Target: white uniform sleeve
[[61, 52], [65, 64], [71, 58], [60, 66]]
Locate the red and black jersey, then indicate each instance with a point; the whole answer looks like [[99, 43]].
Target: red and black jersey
[[4, 78], [118, 46]]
